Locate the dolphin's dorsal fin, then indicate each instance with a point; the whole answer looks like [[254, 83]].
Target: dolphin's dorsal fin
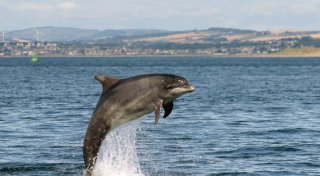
[[106, 81]]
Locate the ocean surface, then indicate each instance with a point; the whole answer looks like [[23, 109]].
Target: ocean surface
[[247, 117]]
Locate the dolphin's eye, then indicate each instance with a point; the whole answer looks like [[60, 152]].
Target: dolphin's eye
[[182, 82], [171, 86]]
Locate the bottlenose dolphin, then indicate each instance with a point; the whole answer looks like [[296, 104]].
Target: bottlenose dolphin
[[123, 100]]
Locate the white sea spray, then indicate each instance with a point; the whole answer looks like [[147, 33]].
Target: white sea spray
[[117, 155]]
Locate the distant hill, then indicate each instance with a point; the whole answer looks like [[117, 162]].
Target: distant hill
[[76, 34], [124, 34], [51, 33], [199, 36], [209, 36], [231, 30]]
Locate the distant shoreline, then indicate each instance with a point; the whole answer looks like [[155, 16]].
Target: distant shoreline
[[209, 56]]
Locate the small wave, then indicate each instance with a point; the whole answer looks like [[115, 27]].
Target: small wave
[[284, 149], [252, 152], [309, 164], [37, 168], [229, 174], [237, 123], [291, 130], [282, 131]]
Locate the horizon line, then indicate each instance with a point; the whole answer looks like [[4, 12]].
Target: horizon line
[[161, 29]]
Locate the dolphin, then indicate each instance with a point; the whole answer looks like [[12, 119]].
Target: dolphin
[[123, 100]]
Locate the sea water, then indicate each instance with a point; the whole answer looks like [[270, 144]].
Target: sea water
[[248, 116]]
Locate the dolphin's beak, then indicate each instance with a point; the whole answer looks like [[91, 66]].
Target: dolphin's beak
[[183, 89], [191, 88], [188, 88]]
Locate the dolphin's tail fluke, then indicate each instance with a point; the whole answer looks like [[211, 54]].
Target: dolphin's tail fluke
[[96, 132]]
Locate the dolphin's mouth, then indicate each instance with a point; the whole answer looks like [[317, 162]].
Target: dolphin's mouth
[[187, 87], [184, 89]]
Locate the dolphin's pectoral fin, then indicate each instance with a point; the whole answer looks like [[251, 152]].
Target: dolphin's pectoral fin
[[167, 109], [106, 81], [157, 111]]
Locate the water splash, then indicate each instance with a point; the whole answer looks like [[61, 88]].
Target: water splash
[[117, 155]]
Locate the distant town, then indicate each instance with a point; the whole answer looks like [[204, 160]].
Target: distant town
[[55, 42]]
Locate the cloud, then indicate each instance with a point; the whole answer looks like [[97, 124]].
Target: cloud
[[32, 7], [67, 5], [303, 8], [41, 6], [129, 9], [164, 14]]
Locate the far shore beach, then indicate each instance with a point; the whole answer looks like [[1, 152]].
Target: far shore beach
[[212, 56]]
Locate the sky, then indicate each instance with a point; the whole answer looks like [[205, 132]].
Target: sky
[[161, 14]]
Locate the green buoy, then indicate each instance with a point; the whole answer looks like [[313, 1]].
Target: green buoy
[[34, 58]]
